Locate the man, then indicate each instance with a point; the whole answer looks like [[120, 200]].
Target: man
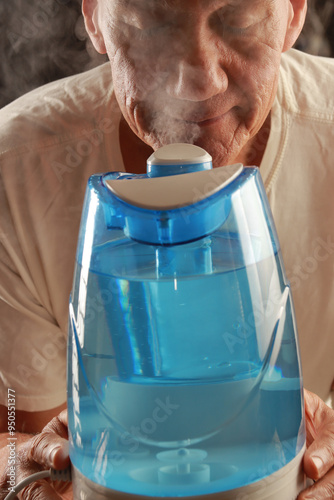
[[204, 71]]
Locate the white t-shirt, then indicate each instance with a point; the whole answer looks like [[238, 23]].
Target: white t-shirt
[[55, 137]]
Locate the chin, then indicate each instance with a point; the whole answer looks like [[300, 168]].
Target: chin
[[221, 154], [226, 146]]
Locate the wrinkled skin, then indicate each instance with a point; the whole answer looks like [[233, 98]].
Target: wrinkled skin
[[320, 445], [195, 70], [34, 453]]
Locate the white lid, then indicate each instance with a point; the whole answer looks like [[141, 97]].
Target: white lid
[[175, 191], [179, 153]]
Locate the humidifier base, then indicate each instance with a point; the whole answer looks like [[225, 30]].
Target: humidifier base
[[285, 483]]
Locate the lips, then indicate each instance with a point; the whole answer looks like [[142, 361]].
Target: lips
[[197, 116], [196, 119], [204, 118], [207, 121]]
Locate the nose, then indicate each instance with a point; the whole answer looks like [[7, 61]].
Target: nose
[[197, 72]]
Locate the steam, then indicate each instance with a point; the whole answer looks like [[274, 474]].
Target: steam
[[41, 41], [176, 122], [170, 130], [169, 119]]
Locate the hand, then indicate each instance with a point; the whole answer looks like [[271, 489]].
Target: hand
[[48, 449], [319, 456]]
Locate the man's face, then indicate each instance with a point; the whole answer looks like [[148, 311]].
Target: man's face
[[201, 71]]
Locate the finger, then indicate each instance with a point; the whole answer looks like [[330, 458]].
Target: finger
[[321, 490], [50, 447], [58, 425], [311, 407], [63, 417], [319, 456], [39, 490], [318, 461], [49, 450]]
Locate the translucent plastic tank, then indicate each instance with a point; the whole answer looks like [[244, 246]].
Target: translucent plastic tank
[[183, 367]]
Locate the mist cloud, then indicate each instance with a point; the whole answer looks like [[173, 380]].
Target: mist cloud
[[41, 41], [170, 130]]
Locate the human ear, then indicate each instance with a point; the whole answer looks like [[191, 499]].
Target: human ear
[[297, 14], [91, 10]]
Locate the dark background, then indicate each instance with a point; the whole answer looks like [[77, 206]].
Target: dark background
[[44, 40]]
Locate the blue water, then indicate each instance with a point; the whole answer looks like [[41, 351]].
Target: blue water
[[194, 387]]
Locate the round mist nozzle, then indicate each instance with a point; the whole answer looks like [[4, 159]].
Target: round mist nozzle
[[178, 158]]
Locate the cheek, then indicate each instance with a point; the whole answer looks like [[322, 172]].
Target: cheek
[[135, 75], [256, 74], [264, 84], [131, 86], [258, 56], [150, 67]]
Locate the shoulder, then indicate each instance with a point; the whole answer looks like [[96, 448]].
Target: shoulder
[[306, 84], [56, 112]]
